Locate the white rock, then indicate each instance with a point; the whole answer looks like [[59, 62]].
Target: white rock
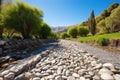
[[20, 77], [58, 78], [105, 70], [71, 78], [4, 73], [38, 74], [1, 78], [28, 75], [50, 77], [53, 61], [82, 78], [49, 71], [107, 76], [93, 63], [117, 77], [81, 72], [9, 76], [108, 65], [67, 73], [36, 78], [75, 75], [96, 77], [59, 70], [55, 67], [64, 77], [43, 78], [98, 66], [91, 73]]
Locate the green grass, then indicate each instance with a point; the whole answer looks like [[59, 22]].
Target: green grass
[[97, 37]]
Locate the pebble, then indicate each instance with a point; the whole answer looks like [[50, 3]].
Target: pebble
[[1, 78], [9, 76], [71, 78], [96, 77], [117, 77], [36, 78], [81, 72], [82, 78], [58, 78], [67, 73], [50, 77], [66, 62], [108, 65], [75, 75], [107, 76], [105, 70], [38, 74], [4, 73]]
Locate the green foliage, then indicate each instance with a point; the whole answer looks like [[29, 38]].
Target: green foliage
[[103, 41], [83, 31], [53, 35], [72, 31], [107, 13], [101, 26], [111, 23], [23, 18], [44, 31], [97, 37], [64, 35], [1, 27], [92, 23], [112, 7], [85, 23]]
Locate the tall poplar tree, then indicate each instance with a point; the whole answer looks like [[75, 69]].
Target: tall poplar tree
[[92, 23]]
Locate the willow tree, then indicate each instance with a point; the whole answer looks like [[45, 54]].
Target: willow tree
[[23, 18], [0, 20], [92, 23]]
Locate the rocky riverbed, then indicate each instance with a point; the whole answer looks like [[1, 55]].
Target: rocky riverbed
[[65, 61]]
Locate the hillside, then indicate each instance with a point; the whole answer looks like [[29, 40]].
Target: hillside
[[106, 13]]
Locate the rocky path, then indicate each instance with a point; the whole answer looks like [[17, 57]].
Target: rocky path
[[67, 60]]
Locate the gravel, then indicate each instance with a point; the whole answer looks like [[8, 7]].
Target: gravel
[[67, 60], [103, 55]]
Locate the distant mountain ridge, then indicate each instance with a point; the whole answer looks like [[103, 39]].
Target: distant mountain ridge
[[60, 29]]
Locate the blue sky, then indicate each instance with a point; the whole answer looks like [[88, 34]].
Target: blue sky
[[69, 12]]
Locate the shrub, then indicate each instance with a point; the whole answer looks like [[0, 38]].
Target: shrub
[[73, 32], [64, 35], [53, 35], [82, 31], [44, 31], [103, 41]]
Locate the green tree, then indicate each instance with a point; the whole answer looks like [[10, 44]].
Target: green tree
[[73, 31], [64, 35], [112, 22], [92, 23], [83, 31], [1, 27], [23, 18], [53, 35], [44, 31], [105, 14], [102, 27], [113, 6]]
